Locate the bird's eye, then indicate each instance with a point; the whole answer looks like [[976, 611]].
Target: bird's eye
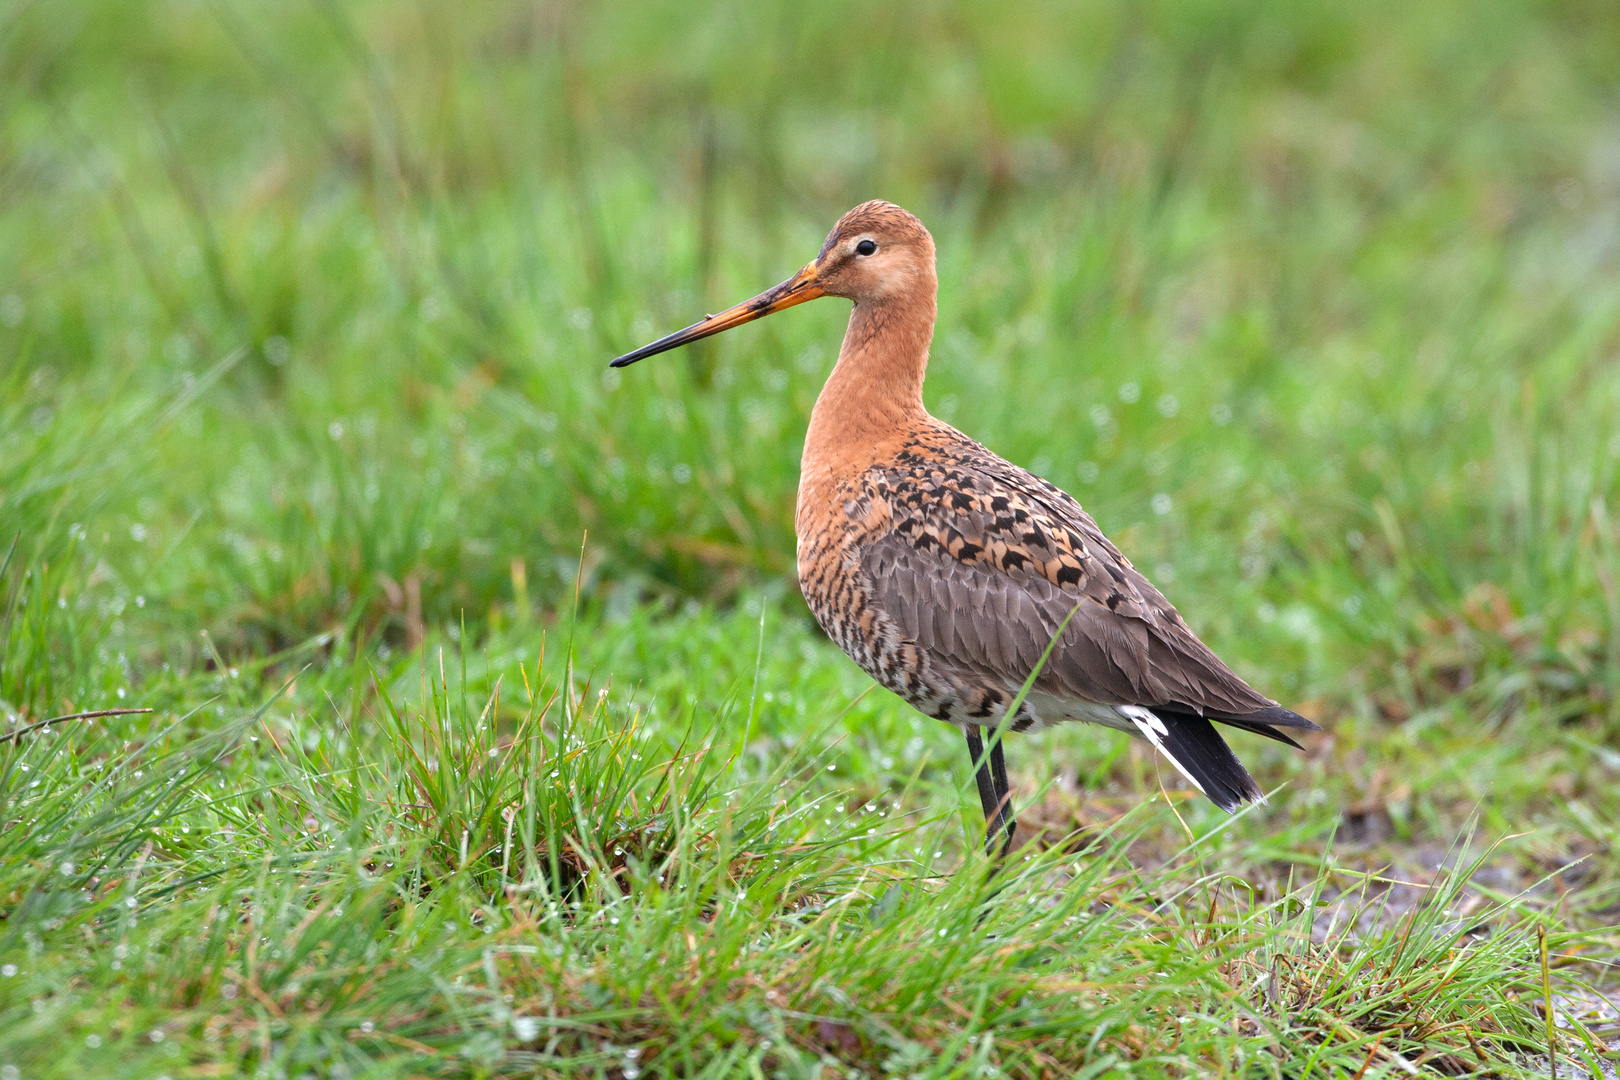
[[865, 247]]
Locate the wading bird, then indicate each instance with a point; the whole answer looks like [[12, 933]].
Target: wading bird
[[946, 572]]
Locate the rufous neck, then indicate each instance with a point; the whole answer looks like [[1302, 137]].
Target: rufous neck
[[875, 389]]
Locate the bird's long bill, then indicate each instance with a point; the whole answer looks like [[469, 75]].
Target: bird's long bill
[[795, 290]]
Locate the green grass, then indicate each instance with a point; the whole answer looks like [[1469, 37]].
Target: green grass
[[489, 734]]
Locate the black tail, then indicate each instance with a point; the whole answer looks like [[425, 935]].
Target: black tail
[[1261, 721], [1194, 746]]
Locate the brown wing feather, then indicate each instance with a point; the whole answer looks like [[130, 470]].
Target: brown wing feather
[[983, 563]]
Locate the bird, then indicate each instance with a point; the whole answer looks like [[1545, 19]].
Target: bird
[[952, 576]]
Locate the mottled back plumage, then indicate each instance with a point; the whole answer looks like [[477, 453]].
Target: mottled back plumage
[[980, 562]]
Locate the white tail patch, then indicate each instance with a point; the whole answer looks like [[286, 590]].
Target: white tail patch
[[1154, 731]]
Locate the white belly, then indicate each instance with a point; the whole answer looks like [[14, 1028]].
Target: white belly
[[1048, 709]]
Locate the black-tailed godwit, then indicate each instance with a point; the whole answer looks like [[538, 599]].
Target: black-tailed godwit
[[945, 571]]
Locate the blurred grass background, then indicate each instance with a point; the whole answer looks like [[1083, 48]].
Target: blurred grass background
[[305, 310]]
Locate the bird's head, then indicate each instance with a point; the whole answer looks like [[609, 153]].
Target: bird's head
[[876, 254]]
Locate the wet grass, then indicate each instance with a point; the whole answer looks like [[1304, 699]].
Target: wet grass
[[489, 736], [472, 880]]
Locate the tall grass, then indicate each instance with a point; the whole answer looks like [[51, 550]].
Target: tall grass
[[500, 887]]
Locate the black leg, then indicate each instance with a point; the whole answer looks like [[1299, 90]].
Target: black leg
[[995, 796], [1003, 818], [988, 796]]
